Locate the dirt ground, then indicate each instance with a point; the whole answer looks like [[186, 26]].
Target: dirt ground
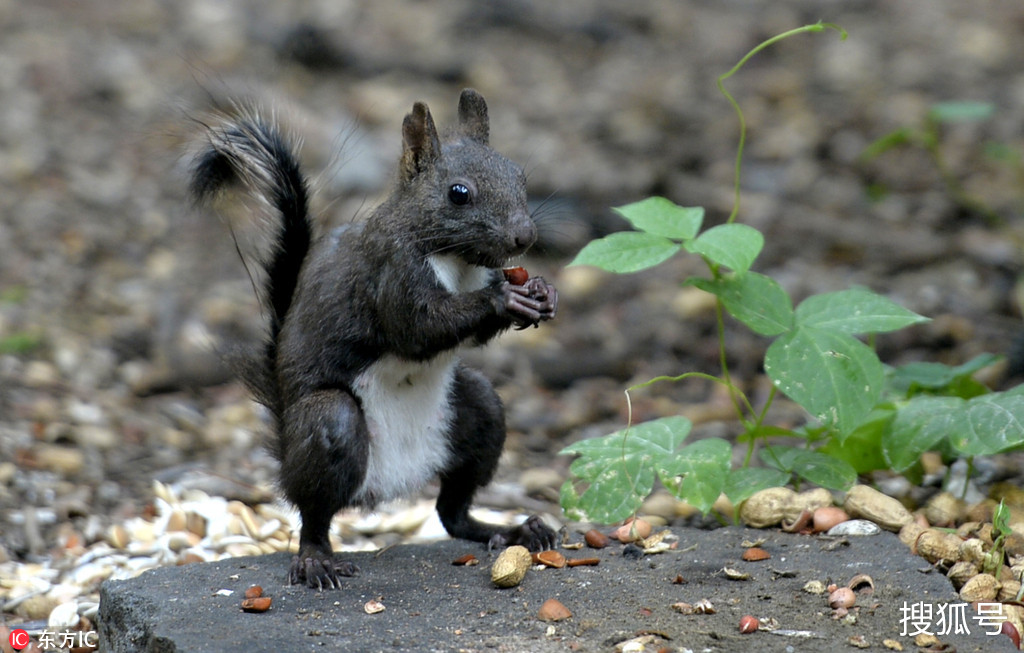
[[114, 291]]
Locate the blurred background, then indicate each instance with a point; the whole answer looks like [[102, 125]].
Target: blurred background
[[115, 292]]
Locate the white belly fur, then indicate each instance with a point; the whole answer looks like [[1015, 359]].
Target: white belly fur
[[407, 406], [408, 413]]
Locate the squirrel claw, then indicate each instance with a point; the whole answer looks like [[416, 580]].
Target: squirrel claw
[[531, 303], [534, 534], [319, 572]]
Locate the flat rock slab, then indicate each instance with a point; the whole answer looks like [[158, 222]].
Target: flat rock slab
[[432, 605]]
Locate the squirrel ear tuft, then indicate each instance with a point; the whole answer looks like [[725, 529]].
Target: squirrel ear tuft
[[420, 144], [473, 121]]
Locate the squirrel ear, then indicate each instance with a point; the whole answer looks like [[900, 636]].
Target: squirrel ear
[[473, 121], [420, 145]]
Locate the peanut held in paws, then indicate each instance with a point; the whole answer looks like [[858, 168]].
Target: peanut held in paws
[[516, 276]]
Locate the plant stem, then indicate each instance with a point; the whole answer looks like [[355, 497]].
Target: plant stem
[[817, 27], [733, 390], [697, 375], [758, 422], [956, 189], [967, 476]]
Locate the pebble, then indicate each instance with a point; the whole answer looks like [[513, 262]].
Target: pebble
[[40, 374], [539, 479], [66, 461]]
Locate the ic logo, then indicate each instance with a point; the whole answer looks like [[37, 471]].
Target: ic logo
[[18, 639]]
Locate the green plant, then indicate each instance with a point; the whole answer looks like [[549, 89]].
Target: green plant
[[996, 555], [928, 137], [20, 342], [865, 417]]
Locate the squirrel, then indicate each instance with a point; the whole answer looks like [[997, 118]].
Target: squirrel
[[360, 368]]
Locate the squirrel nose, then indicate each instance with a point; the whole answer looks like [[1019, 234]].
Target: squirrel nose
[[524, 232]]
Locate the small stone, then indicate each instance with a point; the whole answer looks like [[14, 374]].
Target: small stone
[[37, 607], [66, 461], [632, 552], [540, 479], [40, 374]]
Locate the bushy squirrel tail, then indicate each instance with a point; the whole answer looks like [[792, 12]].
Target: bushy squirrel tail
[[254, 154]]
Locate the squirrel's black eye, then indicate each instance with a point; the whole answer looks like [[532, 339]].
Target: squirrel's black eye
[[458, 194]]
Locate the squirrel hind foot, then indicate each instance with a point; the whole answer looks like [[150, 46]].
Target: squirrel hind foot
[[319, 571], [534, 534]]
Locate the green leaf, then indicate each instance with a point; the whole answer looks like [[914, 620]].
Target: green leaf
[[854, 311], [662, 217], [619, 469], [754, 299], [698, 472], [744, 482], [939, 377], [837, 378], [569, 499], [1001, 519], [898, 138], [919, 426], [961, 111], [733, 245], [14, 294], [862, 448], [626, 251], [814, 466], [20, 342], [991, 423]]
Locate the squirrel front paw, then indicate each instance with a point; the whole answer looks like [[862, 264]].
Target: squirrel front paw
[[534, 534], [318, 569], [530, 303]]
